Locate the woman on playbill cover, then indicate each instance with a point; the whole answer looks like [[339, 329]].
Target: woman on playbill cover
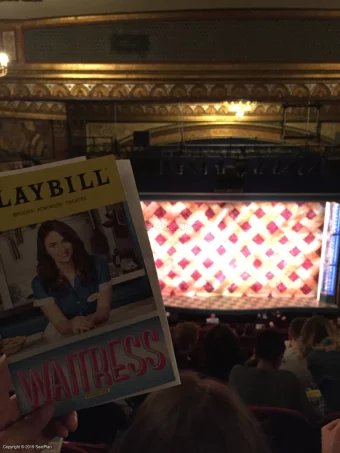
[[72, 288]]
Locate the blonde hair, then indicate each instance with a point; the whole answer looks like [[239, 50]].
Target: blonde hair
[[314, 332]]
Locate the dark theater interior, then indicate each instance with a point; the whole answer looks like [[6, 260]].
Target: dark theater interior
[[229, 113]]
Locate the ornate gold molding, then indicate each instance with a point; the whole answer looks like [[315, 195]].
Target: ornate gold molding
[[33, 110], [264, 93], [188, 72], [150, 112]]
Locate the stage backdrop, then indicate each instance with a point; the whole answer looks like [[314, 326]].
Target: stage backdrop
[[236, 249]]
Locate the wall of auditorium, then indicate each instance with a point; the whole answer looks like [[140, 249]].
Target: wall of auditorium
[[42, 139]]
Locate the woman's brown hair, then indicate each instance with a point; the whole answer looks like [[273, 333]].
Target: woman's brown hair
[[198, 416], [47, 269]]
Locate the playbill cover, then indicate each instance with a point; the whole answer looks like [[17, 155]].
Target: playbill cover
[[82, 319]]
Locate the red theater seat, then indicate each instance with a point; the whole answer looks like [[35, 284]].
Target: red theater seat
[[288, 431]]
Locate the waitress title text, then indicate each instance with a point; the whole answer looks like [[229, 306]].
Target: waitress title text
[[91, 369]]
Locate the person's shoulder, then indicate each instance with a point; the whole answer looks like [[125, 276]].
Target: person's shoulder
[[238, 370], [36, 282], [288, 376], [38, 287]]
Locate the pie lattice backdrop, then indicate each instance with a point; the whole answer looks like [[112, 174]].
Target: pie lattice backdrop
[[259, 249]]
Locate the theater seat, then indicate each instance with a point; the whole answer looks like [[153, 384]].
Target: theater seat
[[288, 431]]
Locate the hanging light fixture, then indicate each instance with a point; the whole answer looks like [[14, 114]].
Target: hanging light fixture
[[240, 108], [4, 60]]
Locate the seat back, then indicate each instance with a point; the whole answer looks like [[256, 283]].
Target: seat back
[[288, 431], [77, 447]]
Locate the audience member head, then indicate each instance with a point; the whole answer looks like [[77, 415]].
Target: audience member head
[[249, 330], [315, 331], [222, 351], [197, 416], [295, 328], [269, 348], [239, 330], [185, 337]]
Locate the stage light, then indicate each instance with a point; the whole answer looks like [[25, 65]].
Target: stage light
[[240, 108], [4, 60]]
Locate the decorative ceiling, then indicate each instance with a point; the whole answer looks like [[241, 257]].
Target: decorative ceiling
[[30, 9]]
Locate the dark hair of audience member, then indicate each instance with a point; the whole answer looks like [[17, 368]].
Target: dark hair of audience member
[[270, 347], [185, 337], [295, 328], [198, 416], [315, 331], [249, 330], [222, 351], [239, 330]]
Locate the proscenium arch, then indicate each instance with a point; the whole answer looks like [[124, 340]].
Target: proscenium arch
[[205, 131]]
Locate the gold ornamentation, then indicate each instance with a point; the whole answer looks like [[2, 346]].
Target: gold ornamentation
[[80, 91], [279, 91], [300, 91], [178, 91], [150, 110], [199, 91], [211, 110], [239, 92], [60, 91], [219, 91], [34, 107], [187, 110], [137, 110], [139, 91], [21, 91], [260, 91], [40, 91], [100, 91], [158, 91], [216, 93], [273, 110], [4, 91], [199, 110], [118, 91], [321, 90]]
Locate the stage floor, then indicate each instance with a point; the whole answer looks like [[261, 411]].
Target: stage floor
[[228, 305]]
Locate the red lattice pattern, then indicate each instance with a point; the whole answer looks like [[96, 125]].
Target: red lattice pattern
[[236, 249]]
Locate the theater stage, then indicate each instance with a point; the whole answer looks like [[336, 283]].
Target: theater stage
[[245, 257], [247, 305]]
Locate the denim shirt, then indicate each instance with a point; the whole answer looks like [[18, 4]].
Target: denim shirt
[[79, 300]]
